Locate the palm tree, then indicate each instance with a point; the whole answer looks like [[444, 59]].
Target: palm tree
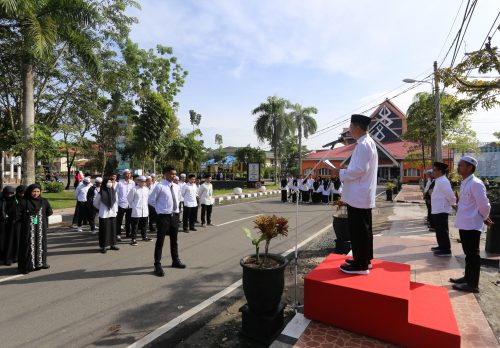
[[39, 27], [272, 124], [305, 124]]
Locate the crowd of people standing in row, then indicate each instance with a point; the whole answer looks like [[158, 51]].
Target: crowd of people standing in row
[[310, 190], [144, 203]]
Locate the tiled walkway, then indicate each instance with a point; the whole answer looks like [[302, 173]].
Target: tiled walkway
[[414, 250]]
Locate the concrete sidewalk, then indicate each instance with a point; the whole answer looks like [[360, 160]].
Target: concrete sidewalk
[[410, 194], [407, 240]]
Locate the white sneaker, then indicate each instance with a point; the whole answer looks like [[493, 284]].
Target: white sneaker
[[79, 229]]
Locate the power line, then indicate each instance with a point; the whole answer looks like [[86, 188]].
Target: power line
[[451, 28], [459, 43], [489, 31]]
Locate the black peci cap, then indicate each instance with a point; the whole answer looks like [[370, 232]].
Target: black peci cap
[[441, 166], [361, 119]]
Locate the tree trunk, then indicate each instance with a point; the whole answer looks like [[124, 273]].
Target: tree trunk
[[28, 124], [423, 160], [300, 150]]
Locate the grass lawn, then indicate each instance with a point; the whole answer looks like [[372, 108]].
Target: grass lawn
[[61, 200]]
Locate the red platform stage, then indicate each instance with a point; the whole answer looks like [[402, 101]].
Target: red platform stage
[[384, 304]]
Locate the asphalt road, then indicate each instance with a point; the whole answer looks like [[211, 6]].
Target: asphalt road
[[92, 299]]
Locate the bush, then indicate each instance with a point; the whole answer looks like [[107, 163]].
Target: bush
[[390, 185], [54, 187]]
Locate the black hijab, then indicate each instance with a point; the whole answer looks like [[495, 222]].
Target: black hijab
[[325, 184], [19, 189], [108, 195], [33, 204]]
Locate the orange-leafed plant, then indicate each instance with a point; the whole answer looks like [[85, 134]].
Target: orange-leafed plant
[[269, 226]]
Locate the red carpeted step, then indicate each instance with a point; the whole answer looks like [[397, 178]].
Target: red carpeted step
[[431, 318], [375, 305]]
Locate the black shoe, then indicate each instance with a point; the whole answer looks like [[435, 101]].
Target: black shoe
[[465, 287], [46, 266], [351, 262], [197, 222], [435, 249], [178, 264], [147, 239], [114, 247], [8, 263], [351, 269], [458, 280], [133, 242], [185, 230], [103, 251], [442, 253], [193, 229], [432, 229], [159, 271]]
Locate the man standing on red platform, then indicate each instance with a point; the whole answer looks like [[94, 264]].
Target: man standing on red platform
[[360, 185]]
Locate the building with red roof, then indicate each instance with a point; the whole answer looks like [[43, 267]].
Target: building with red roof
[[396, 157]]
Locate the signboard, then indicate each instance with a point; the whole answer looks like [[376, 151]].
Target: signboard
[[253, 173]]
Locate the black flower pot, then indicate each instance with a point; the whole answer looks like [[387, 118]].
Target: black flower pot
[[341, 229], [395, 190], [263, 287], [388, 194], [493, 236]]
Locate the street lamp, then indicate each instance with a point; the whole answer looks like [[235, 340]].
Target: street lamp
[[435, 85]]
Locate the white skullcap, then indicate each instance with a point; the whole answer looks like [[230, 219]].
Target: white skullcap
[[183, 175], [87, 180], [126, 171], [148, 177], [152, 174], [470, 160], [98, 179], [141, 178], [176, 177]]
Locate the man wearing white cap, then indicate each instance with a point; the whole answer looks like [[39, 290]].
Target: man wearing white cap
[[81, 202], [182, 184], [472, 214], [122, 189], [138, 202]]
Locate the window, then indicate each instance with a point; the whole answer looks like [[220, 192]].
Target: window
[[324, 171], [412, 172], [308, 171]]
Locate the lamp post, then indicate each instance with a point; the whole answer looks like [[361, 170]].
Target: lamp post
[[437, 109]]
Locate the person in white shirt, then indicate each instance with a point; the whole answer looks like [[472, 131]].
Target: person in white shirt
[[151, 184], [189, 192], [360, 185], [294, 188], [198, 184], [81, 202], [429, 186], [181, 183], [206, 200], [335, 189], [106, 202], [91, 211], [310, 185], [442, 202], [304, 191], [284, 190], [122, 190], [165, 199], [472, 215], [325, 191], [138, 202]]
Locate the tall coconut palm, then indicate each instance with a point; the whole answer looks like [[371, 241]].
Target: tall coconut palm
[[272, 124], [305, 124], [39, 27]]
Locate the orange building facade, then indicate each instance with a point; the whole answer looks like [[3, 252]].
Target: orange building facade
[[397, 157]]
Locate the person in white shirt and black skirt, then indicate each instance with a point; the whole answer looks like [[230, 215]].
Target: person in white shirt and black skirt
[[165, 198], [189, 192], [360, 186], [138, 202], [442, 202], [472, 214]]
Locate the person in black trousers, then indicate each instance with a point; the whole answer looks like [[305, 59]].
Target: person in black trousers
[[165, 199]]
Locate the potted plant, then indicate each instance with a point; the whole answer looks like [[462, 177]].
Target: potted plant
[[264, 275], [341, 229], [389, 187], [395, 188]]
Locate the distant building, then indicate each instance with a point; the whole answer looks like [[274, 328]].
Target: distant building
[[488, 160], [396, 157]]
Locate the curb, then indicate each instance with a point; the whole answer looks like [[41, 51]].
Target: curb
[[58, 218]]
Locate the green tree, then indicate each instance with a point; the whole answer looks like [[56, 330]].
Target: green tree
[[273, 124], [194, 118], [37, 28], [304, 123]]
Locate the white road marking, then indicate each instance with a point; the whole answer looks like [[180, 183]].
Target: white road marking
[[10, 278], [230, 222], [193, 311]]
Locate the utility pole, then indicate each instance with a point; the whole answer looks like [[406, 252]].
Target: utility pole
[[439, 141]]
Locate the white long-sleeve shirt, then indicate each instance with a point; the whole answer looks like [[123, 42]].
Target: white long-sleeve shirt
[[81, 192], [442, 197], [310, 183], [360, 177], [205, 193], [189, 193], [473, 205], [181, 186], [427, 185], [161, 197], [122, 189], [104, 211], [138, 201]]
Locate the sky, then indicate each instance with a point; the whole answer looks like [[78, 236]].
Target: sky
[[342, 57]]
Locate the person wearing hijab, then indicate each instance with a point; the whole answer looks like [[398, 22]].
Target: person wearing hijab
[[325, 191], [34, 212], [7, 226], [106, 201], [284, 190]]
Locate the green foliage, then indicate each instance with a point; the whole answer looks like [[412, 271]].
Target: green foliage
[[54, 187], [389, 185], [194, 118], [250, 154]]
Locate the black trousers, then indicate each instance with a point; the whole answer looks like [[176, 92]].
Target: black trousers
[[81, 212], [91, 213], [442, 233], [360, 227], [127, 212], [152, 218], [138, 223], [294, 197], [166, 224], [429, 213], [470, 245], [284, 197], [206, 213], [188, 217], [197, 209]]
